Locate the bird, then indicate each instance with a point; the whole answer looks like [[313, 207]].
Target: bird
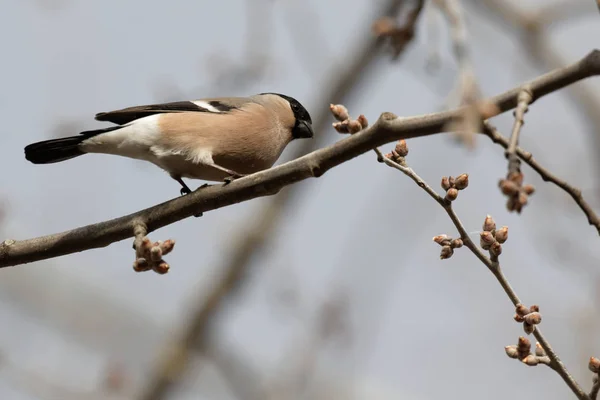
[[213, 139]]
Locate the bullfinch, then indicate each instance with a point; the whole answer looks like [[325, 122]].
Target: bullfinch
[[217, 139]]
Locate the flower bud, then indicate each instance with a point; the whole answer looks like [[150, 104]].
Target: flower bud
[[155, 254], [511, 351], [456, 243], [446, 252], [451, 180], [341, 127], [339, 112], [508, 188], [521, 310], [533, 318], [523, 345], [354, 126], [534, 308], [442, 240], [486, 239], [502, 234], [489, 224], [161, 268], [401, 148], [516, 177], [529, 189], [167, 246], [518, 318], [531, 360], [451, 194], [462, 181], [594, 365], [528, 328], [362, 120], [446, 183], [496, 249]]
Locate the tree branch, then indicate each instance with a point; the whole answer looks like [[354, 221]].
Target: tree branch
[[387, 129]]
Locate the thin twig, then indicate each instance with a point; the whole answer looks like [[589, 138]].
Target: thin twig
[[575, 193], [494, 266], [511, 151], [596, 385]]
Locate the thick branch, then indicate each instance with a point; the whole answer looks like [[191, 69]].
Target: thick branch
[[387, 129]]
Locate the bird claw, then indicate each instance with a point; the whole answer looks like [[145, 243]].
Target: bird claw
[[228, 179]]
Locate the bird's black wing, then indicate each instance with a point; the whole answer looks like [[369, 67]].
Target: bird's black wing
[[129, 114]]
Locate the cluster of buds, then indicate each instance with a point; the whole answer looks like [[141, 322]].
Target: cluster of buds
[[399, 153], [530, 317], [398, 36], [491, 239], [346, 124], [149, 256], [448, 245], [452, 185], [522, 351], [517, 193]]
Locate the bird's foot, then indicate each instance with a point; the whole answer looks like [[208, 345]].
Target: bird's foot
[[228, 179]]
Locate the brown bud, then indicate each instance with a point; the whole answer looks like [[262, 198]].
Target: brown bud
[[401, 148], [167, 246], [155, 253], [509, 188], [362, 120], [486, 239], [451, 194], [146, 244], [496, 249], [521, 310], [533, 318], [529, 189], [518, 318], [502, 234], [489, 224], [511, 204], [442, 240], [594, 365], [452, 180], [161, 268], [528, 328], [516, 177], [534, 308], [456, 243], [531, 360], [339, 112], [462, 181], [539, 350], [446, 252], [523, 199], [511, 351], [141, 265], [446, 183], [354, 126], [523, 345], [341, 127]]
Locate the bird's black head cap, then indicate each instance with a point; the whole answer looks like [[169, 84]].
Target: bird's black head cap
[[303, 127]]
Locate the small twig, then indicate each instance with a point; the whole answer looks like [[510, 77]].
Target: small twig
[[596, 386], [494, 267], [511, 151], [546, 175]]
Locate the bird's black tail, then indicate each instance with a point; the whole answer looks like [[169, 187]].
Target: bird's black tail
[[56, 150]]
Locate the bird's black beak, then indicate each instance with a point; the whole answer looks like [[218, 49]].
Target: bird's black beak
[[303, 130]]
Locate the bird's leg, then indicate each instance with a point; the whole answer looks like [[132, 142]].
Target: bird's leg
[[186, 190], [232, 174]]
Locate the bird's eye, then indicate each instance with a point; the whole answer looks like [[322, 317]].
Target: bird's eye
[[295, 107]]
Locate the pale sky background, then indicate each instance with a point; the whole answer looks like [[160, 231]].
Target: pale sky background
[[421, 328]]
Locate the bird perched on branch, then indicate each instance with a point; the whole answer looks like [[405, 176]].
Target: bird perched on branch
[[217, 139]]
